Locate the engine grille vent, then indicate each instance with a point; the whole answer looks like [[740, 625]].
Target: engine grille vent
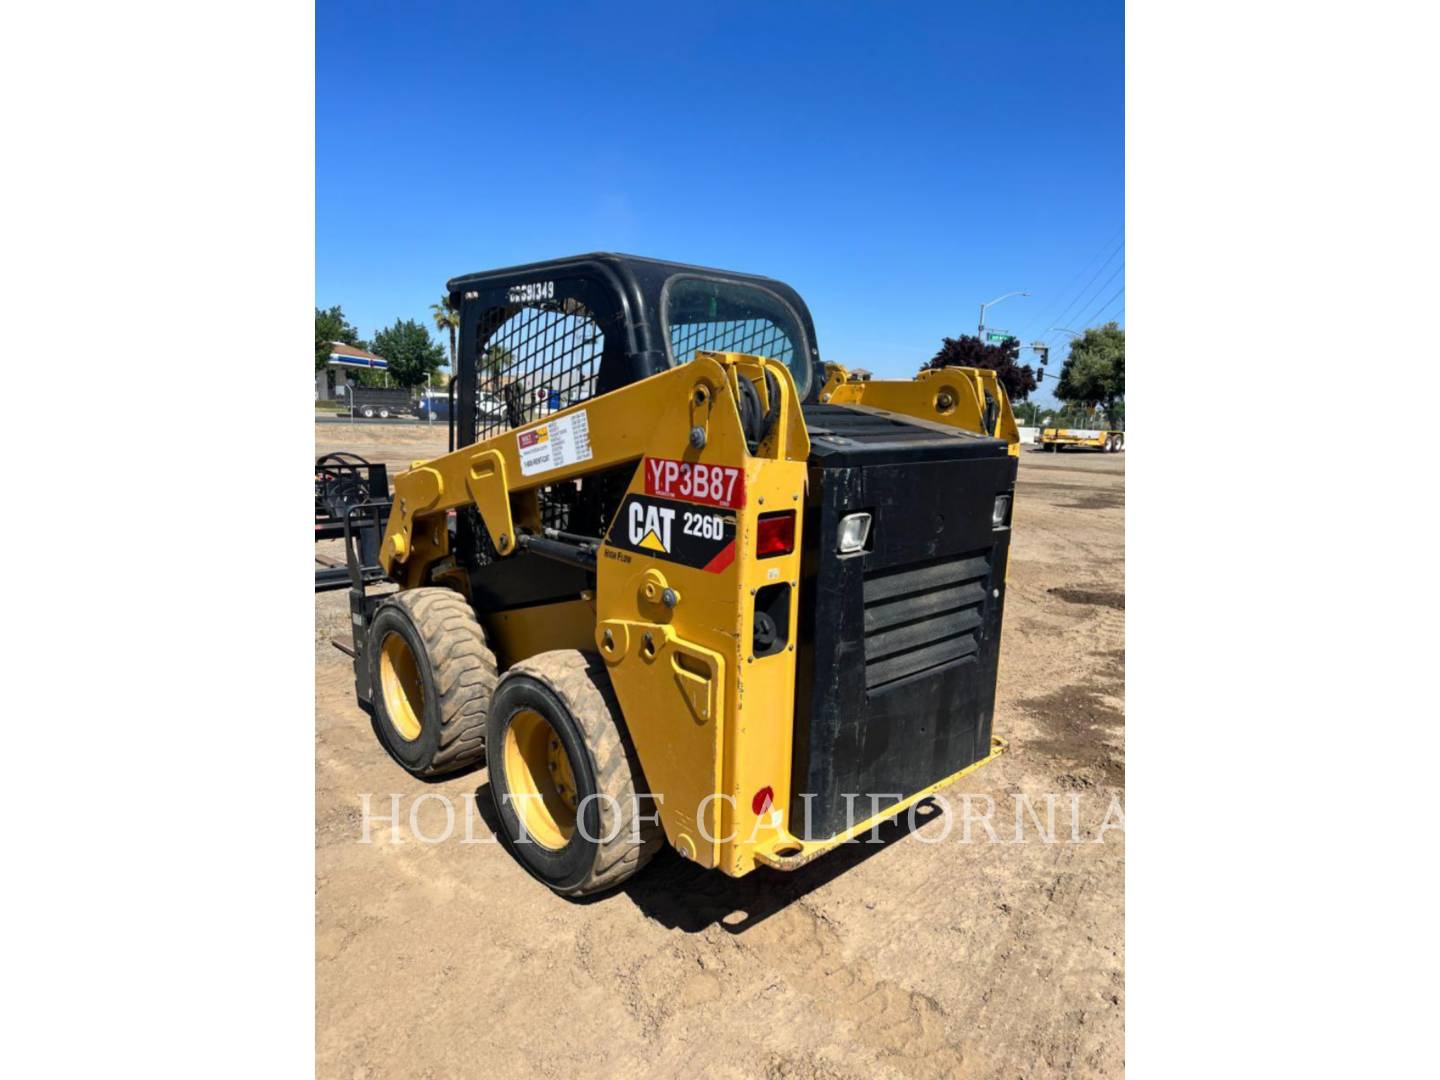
[[923, 616]]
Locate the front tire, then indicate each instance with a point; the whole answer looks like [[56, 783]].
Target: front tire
[[433, 677], [566, 781]]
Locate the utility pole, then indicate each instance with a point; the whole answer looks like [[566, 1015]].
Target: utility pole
[[991, 304]]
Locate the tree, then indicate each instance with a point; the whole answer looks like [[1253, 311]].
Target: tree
[[330, 325], [447, 317], [367, 376], [409, 353], [1094, 372], [969, 351], [1027, 412]]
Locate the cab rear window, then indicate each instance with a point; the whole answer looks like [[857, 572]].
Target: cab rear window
[[725, 316]]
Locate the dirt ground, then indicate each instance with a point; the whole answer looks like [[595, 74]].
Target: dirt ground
[[993, 958]]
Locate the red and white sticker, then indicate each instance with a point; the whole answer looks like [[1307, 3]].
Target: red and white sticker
[[555, 444], [713, 485]]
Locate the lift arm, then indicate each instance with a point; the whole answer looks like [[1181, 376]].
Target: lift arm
[[499, 475]]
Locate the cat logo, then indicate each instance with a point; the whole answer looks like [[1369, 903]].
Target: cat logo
[[678, 532], [650, 526]]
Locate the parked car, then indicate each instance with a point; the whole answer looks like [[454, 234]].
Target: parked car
[[433, 407], [490, 407], [437, 407]]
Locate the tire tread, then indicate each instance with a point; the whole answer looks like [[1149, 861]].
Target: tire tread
[[465, 673], [581, 681]]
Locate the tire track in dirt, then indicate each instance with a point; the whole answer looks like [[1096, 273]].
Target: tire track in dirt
[[1079, 1040], [903, 1028], [1081, 722]]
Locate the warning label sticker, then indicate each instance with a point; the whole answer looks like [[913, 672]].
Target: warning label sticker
[[555, 444], [675, 531]]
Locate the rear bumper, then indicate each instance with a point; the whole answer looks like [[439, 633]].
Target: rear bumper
[[793, 853]]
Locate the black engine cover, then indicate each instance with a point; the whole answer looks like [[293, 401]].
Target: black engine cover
[[898, 644]]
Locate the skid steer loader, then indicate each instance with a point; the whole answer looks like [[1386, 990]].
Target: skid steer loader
[[680, 582]]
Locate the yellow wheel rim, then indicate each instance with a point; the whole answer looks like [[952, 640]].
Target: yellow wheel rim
[[401, 686], [541, 782]]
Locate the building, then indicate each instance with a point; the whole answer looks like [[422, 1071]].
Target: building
[[334, 380]]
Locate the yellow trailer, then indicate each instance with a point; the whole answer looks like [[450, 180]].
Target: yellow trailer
[[1053, 439]]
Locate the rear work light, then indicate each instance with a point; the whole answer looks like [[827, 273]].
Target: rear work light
[[776, 534], [854, 531]]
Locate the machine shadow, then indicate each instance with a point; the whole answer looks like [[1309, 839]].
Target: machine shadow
[[678, 894], [682, 896]]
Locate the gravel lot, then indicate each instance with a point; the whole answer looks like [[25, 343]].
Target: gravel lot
[[908, 958]]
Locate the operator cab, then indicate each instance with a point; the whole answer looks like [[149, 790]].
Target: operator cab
[[565, 330]]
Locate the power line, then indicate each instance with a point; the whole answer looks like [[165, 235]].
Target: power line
[[1078, 308], [1108, 252], [1102, 308], [1085, 296], [1086, 300], [1043, 324], [1105, 305]]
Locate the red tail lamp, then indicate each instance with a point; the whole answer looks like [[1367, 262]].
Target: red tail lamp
[[763, 799], [776, 534]]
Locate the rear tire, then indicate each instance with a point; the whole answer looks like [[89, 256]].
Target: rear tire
[[560, 756], [433, 678]]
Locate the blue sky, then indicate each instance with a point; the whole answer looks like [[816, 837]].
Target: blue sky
[[897, 164]]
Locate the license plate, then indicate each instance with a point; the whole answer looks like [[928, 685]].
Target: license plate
[[692, 481]]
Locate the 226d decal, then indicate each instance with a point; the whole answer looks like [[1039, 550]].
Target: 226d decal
[[678, 532]]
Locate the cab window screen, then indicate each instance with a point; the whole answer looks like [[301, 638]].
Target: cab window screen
[[723, 316], [534, 359]]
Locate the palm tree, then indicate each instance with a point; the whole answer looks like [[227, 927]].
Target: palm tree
[[447, 317]]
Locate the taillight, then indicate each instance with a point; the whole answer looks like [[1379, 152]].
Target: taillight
[[776, 534]]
